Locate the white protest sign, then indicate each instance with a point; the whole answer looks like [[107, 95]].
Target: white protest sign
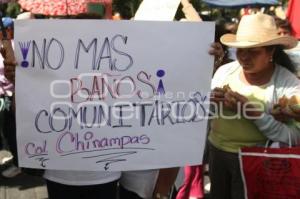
[[112, 95], [157, 10]]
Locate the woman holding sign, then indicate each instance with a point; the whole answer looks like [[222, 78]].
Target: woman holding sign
[[243, 97]]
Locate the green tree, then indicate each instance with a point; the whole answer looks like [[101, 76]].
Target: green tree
[[10, 9], [13, 9]]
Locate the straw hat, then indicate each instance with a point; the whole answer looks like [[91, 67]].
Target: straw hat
[[255, 31]]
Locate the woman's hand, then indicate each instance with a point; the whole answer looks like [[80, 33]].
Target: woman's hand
[[279, 115], [235, 102], [292, 114], [185, 3], [217, 51], [217, 96]]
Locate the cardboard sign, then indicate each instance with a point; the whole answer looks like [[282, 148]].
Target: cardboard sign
[[123, 95], [157, 10]]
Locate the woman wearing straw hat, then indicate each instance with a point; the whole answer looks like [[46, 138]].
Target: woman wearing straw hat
[[243, 95]]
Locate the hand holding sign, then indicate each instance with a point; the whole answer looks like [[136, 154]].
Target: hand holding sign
[[189, 11]]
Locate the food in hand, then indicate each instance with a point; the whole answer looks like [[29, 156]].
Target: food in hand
[[227, 90], [287, 105], [283, 101], [294, 103], [276, 109]]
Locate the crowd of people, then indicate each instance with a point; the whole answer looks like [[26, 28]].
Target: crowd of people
[[254, 80]]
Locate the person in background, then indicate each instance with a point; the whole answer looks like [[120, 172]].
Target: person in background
[[243, 95], [219, 50], [283, 26], [6, 90]]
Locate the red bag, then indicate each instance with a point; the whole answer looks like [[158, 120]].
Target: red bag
[[271, 173]]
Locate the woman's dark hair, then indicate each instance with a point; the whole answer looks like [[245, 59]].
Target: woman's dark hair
[[281, 58]]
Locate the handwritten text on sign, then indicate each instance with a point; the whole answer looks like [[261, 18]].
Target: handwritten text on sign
[[101, 95]]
